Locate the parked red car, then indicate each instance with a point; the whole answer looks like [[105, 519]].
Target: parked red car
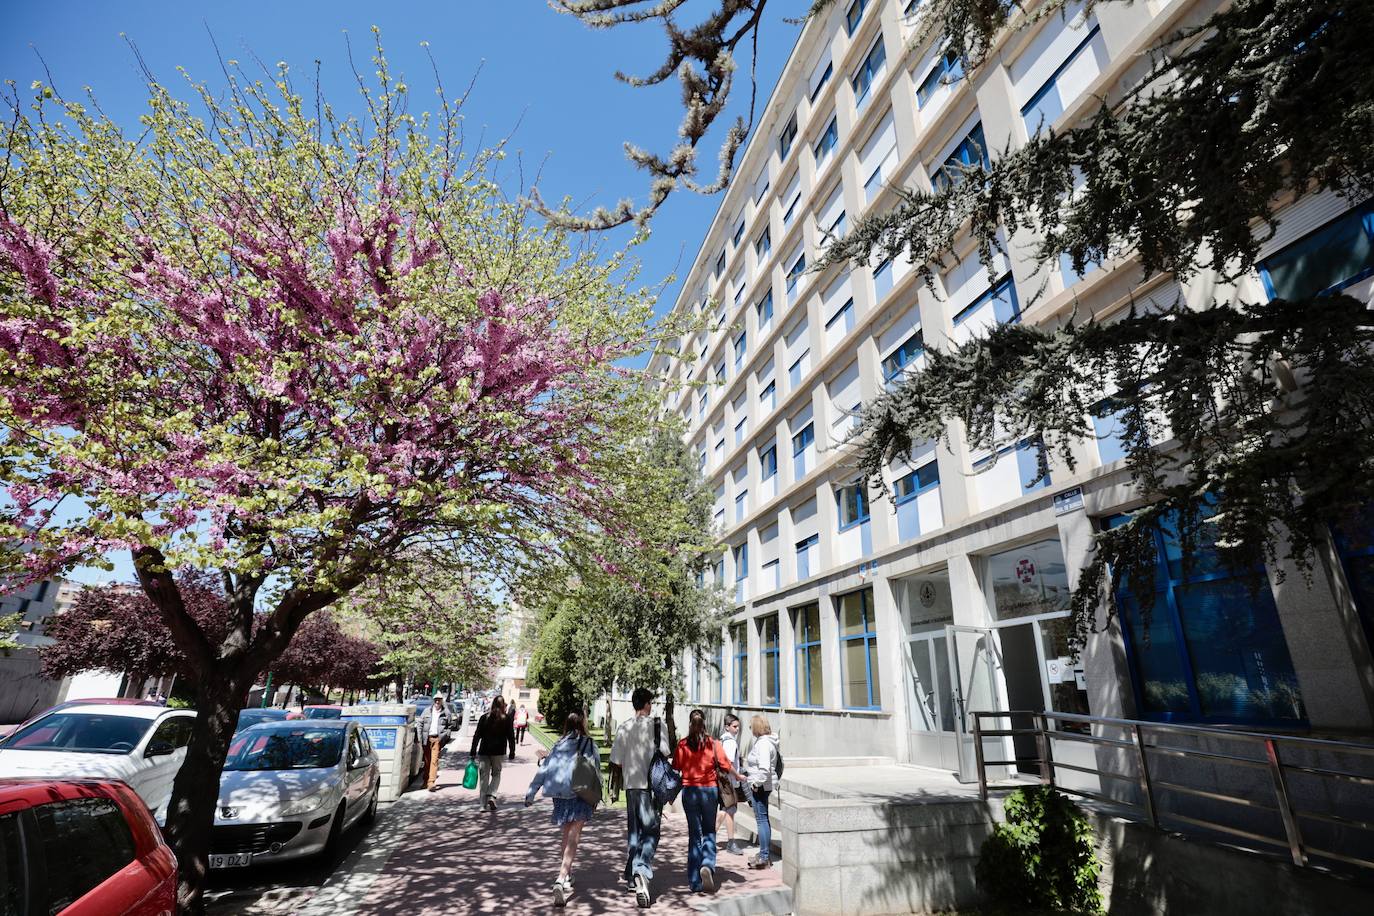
[[79, 847]]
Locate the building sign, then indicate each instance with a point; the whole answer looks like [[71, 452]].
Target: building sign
[[1029, 580], [1068, 501]]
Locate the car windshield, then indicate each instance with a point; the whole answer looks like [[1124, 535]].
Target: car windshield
[[323, 712], [81, 733], [299, 748]]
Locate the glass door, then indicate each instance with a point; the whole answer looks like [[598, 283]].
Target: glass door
[[975, 661], [932, 695]]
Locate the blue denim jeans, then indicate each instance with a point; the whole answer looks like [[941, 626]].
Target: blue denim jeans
[[699, 803], [765, 829], [642, 818]]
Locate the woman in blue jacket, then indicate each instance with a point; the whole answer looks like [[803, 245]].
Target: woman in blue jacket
[[554, 776]]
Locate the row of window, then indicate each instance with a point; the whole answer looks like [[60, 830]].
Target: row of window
[[858, 675]]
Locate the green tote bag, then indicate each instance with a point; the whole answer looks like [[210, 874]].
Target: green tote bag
[[470, 775]]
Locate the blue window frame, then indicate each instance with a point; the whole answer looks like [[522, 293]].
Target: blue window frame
[[859, 675], [764, 309], [739, 641], [741, 505], [868, 71], [845, 314], [768, 462], [851, 504], [1045, 107], [807, 668], [1356, 549], [769, 396], [789, 134], [763, 245], [794, 371], [720, 265], [1028, 452], [1108, 428], [837, 226], [740, 429], [718, 682], [769, 653], [911, 485], [804, 548], [1002, 295], [971, 151], [854, 15], [948, 68], [882, 279], [1325, 261], [1210, 648], [741, 346], [795, 271], [825, 78], [791, 210], [739, 234], [909, 351], [741, 553], [827, 142], [800, 442]]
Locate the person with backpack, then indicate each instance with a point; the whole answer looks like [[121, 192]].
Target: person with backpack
[[700, 759], [729, 743], [637, 742], [763, 768], [563, 777], [494, 733]]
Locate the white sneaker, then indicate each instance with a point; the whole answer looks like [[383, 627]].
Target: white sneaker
[[708, 879], [642, 891], [561, 891]]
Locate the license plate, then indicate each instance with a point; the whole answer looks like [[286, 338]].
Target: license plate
[[237, 860]]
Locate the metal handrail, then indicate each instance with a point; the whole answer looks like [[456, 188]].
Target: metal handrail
[[1268, 757]]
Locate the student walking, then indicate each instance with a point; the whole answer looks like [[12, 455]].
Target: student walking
[[522, 721], [495, 733], [636, 741], [729, 743], [434, 730], [761, 768], [570, 811], [700, 758]]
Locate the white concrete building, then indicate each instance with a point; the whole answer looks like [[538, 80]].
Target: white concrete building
[[866, 630]]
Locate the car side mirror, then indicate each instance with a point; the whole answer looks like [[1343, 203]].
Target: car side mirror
[[158, 749]]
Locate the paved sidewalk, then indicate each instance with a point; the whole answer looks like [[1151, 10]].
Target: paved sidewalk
[[449, 857]]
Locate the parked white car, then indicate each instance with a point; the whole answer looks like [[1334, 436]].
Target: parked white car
[[142, 745], [290, 789]]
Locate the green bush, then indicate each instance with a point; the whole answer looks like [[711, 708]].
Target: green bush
[[1042, 858]]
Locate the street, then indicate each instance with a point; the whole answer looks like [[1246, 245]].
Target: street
[[437, 853]]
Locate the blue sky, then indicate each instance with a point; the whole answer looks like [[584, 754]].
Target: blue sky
[[546, 80]]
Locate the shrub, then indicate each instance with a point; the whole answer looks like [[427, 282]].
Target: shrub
[[1042, 857]]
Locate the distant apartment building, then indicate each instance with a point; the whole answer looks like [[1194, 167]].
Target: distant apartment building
[[869, 628], [511, 675]]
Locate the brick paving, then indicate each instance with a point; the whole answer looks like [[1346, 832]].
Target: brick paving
[[454, 858]]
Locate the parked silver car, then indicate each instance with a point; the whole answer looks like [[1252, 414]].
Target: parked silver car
[[290, 789]]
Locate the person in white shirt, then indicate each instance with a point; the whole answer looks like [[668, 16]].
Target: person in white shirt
[[761, 769], [434, 728], [729, 742]]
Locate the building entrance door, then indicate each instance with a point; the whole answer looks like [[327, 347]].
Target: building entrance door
[[975, 661]]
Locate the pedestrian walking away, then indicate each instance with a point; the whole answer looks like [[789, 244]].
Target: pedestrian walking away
[[631, 754], [761, 771], [701, 760], [557, 776], [491, 740], [522, 721], [729, 743], [434, 729]]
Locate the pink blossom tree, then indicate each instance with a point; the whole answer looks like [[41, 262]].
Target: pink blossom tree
[[264, 340]]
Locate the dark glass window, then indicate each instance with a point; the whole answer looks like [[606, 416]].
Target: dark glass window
[[772, 671], [84, 841], [789, 134], [859, 651], [1325, 261], [14, 879], [1209, 648], [971, 151], [947, 69]]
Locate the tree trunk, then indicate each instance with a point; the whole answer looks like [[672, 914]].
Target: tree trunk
[[668, 704], [195, 791]]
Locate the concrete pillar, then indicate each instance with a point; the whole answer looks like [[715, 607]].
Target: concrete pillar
[[892, 654]]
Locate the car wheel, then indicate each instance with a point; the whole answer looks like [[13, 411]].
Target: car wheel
[[371, 814], [331, 845]]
